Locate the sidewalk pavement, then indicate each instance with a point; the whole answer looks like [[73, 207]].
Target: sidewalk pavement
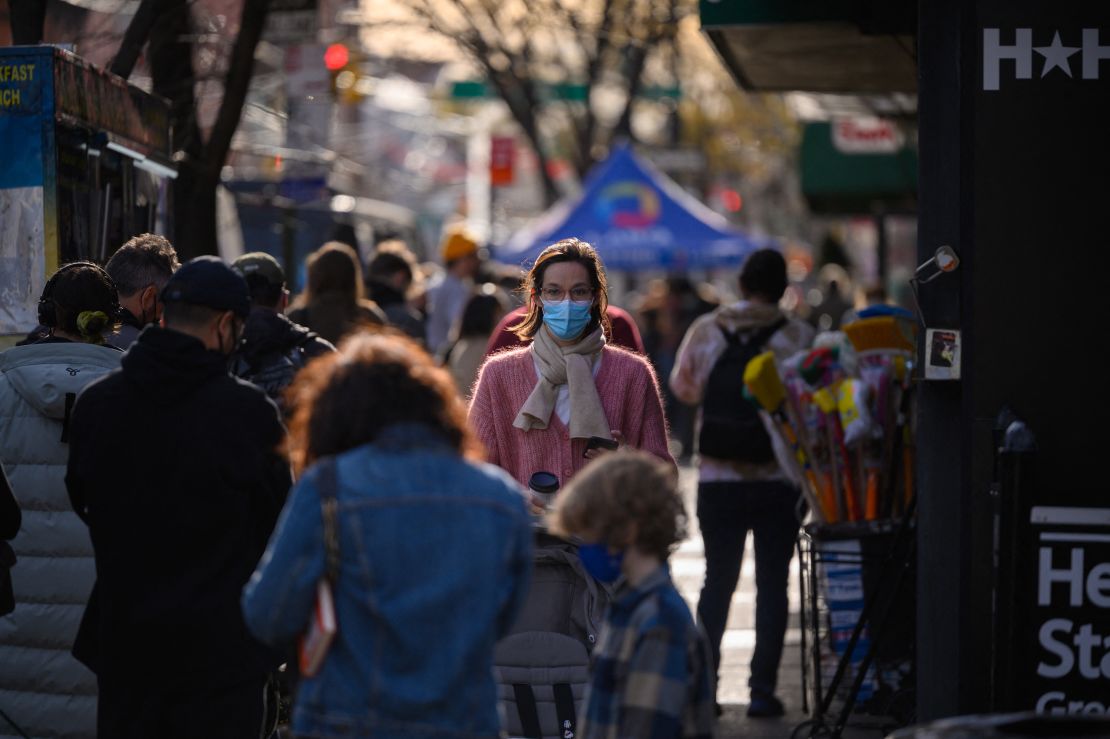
[[688, 570]]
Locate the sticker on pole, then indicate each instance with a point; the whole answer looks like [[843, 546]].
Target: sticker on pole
[[942, 354]]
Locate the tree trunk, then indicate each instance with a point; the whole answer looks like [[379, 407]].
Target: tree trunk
[[522, 107], [170, 53], [28, 20], [171, 62], [194, 212]]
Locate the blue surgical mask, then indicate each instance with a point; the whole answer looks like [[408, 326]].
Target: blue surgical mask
[[566, 318], [603, 565]]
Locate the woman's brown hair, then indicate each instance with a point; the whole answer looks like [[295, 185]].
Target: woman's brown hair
[[567, 250], [334, 268], [617, 492], [345, 399]]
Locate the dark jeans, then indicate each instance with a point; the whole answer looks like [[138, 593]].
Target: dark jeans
[[726, 512], [143, 708]]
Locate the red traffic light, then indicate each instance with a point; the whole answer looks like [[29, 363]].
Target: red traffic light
[[731, 200], [336, 57]]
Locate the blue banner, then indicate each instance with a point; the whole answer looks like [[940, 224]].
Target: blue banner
[[22, 79]]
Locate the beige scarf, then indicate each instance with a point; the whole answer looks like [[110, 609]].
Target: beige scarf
[[569, 365]]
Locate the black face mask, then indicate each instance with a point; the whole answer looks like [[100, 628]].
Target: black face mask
[[142, 319], [235, 340]]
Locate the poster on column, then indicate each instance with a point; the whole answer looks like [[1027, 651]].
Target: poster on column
[[22, 122], [1067, 636]]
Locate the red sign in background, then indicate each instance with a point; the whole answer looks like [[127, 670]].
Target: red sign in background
[[502, 152]]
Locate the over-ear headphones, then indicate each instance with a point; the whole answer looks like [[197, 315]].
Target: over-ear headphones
[[48, 309]]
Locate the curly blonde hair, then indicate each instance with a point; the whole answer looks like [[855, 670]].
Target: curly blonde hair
[[626, 497]]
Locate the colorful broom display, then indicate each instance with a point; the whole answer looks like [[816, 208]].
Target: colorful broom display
[[845, 409]]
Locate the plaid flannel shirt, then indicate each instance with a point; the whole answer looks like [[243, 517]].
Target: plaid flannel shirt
[[650, 676]]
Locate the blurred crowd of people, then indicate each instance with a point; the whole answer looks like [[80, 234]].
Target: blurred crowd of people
[[194, 458]]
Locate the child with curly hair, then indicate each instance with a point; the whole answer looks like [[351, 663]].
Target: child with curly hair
[[651, 669]]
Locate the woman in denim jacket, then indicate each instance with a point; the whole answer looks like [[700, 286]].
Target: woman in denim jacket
[[434, 549]]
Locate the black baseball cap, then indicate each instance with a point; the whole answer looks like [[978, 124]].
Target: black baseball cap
[[261, 264], [209, 282]]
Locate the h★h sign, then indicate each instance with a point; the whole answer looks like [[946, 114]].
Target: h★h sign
[[1056, 55]]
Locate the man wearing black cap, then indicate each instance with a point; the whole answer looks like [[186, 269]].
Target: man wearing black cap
[[273, 348], [179, 515]]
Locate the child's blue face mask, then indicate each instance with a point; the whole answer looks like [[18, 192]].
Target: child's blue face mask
[[603, 565], [567, 318]]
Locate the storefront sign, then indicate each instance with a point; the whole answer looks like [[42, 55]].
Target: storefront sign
[[1018, 55], [1071, 613], [866, 136]]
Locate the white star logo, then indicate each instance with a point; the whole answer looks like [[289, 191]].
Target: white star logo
[[1056, 55]]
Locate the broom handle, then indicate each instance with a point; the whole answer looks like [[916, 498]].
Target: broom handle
[[809, 487], [842, 507], [872, 506], [850, 495], [828, 497]]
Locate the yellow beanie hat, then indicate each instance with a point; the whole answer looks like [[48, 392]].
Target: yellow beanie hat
[[458, 243]]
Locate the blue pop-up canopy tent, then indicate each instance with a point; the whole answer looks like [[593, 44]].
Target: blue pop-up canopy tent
[[637, 218]]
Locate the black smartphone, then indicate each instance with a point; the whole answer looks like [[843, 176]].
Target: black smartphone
[[596, 442]]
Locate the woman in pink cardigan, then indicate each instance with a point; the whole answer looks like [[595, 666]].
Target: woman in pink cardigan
[[535, 407]]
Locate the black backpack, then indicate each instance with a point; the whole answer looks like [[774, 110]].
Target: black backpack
[[731, 427]]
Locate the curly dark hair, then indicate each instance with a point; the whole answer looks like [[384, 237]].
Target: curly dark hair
[[344, 399], [617, 492], [567, 250]]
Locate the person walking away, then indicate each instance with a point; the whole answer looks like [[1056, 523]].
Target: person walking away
[[273, 348], [741, 486], [448, 292], [536, 407], [651, 668], [466, 352], [333, 304], [140, 268], [177, 537], [43, 689], [389, 278], [384, 436]]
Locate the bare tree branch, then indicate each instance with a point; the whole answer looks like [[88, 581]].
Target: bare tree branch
[[138, 31], [238, 82]]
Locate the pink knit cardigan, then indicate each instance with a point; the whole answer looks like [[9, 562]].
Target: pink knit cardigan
[[629, 396]]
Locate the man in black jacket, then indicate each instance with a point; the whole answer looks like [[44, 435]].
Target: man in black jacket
[[273, 348], [179, 522]]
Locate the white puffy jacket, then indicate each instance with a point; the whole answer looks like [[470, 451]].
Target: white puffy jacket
[[42, 687]]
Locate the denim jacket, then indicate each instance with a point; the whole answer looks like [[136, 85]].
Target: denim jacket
[[435, 558]]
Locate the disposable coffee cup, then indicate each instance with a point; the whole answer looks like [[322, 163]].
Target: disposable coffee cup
[[543, 487]]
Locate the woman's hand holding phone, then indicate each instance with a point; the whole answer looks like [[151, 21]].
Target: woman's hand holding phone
[[596, 445]]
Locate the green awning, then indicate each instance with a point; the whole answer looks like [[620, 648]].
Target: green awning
[[861, 168]]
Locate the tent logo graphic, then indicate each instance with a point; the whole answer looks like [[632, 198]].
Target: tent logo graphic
[[628, 204]]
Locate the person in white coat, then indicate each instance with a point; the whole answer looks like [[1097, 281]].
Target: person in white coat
[[44, 691]]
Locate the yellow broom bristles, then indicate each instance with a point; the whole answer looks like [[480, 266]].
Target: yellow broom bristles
[[761, 377], [881, 333]]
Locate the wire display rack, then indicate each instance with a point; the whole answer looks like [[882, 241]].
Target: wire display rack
[[857, 618]]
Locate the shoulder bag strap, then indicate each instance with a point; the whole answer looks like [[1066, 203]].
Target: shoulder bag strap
[[329, 506], [763, 335]]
